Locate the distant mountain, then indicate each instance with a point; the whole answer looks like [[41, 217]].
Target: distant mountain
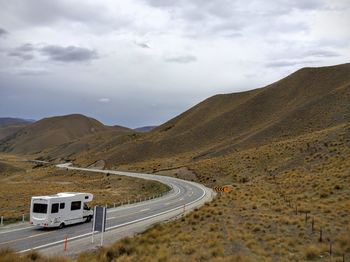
[[50, 132], [11, 121], [144, 129], [9, 125]]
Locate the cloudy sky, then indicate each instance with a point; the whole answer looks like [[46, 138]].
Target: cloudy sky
[[142, 62]]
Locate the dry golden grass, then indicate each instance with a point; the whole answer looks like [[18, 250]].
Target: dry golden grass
[[30, 179], [263, 218], [7, 255]]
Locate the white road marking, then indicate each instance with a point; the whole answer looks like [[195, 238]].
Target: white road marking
[[27, 237], [143, 210], [109, 218], [14, 230]]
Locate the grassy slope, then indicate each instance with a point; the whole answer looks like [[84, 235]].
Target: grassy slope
[[10, 126], [257, 221], [51, 132]]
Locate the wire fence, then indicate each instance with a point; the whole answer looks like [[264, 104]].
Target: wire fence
[[314, 228], [5, 220]]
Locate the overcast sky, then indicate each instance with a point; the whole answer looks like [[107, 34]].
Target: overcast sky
[[142, 62]]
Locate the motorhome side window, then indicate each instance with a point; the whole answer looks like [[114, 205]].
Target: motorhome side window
[[54, 208], [40, 208], [76, 205], [62, 206]]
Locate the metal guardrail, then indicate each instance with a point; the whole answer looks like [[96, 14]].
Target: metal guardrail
[[25, 217]]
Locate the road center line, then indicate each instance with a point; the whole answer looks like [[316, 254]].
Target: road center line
[[23, 238], [14, 230]]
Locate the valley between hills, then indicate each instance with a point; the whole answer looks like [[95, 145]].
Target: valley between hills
[[283, 148]]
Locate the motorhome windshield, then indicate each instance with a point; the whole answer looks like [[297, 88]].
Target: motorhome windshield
[[40, 208]]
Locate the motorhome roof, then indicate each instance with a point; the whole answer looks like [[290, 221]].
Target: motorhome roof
[[60, 195]]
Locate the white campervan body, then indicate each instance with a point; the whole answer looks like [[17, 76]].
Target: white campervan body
[[60, 209]]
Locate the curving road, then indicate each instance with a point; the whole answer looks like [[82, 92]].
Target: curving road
[[124, 220]]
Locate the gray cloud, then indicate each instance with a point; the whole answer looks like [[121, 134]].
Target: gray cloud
[[290, 63], [54, 52], [180, 59], [44, 12], [321, 53], [69, 53], [142, 44], [33, 71], [3, 32], [24, 52]]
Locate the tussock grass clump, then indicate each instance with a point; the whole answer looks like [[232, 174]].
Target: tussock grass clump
[[312, 252]]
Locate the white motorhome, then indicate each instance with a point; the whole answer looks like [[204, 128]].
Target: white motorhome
[[61, 209]]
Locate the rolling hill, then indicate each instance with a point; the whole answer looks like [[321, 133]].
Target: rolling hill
[[9, 125], [308, 100], [145, 129], [51, 132]]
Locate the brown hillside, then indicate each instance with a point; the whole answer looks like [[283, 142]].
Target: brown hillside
[[9, 130], [9, 125], [308, 100], [50, 132]]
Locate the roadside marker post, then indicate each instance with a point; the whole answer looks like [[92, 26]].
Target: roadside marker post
[[93, 226], [104, 226], [23, 218], [99, 223], [65, 243], [2, 221]]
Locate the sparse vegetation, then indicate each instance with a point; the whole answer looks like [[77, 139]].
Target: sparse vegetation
[[263, 219], [25, 179]]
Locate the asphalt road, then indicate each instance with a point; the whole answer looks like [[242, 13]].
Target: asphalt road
[[183, 197]]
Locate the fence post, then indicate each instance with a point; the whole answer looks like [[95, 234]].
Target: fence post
[[306, 217], [312, 224], [330, 247], [320, 234]]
